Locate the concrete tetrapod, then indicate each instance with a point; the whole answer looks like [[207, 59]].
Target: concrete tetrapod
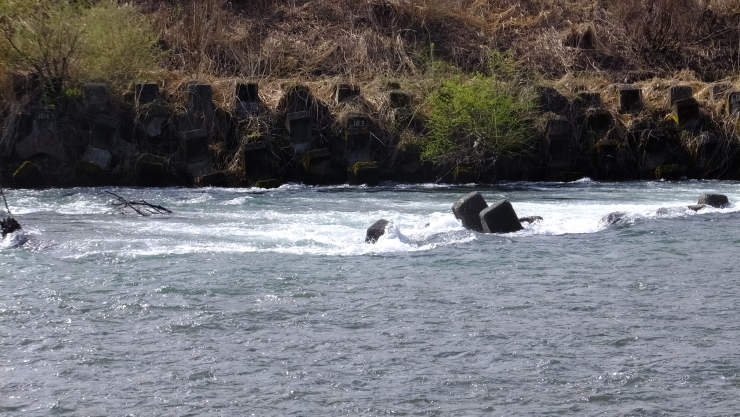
[[500, 218], [468, 208]]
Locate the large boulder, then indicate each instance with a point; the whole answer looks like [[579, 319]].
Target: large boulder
[[468, 208], [714, 200], [500, 218], [375, 231]]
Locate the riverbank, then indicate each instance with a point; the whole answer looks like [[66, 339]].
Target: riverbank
[[251, 134], [468, 102]]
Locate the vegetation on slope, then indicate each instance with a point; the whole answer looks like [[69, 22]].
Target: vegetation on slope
[[447, 52]]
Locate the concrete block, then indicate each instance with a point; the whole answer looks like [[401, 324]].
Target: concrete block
[[588, 99], [97, 156], [96, 98], [630, 99], [151, 171], [213, 179], [154, 127], [718, 91], [104, 133], [317, 164], [365, 173], [550, 100], [258, 164], [376, 230], [357, 135], [599, 121], [145, 93], [28, 175], [668, 172], [399, 99], [198, 169], [560, 148], [268, 184], [195, 145], [200, 104], [299, 127], [468, 209], [43, 137], [732, 104], [686, 113], [679, 92], [298, 99], [343, 92], [500, 217], [247, 99]]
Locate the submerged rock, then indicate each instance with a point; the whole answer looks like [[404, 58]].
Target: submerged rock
[[500, 218], [714, 200], [614, 218], [267, 184], [375, 231], [530, 219], [468, 209]]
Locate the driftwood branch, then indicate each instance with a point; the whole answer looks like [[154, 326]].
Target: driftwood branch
[[141, 207]]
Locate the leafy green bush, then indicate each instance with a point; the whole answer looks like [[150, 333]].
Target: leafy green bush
[[68, 40], [119, 44], [473, 119]]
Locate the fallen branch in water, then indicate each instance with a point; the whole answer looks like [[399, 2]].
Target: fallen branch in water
[[141, 207]]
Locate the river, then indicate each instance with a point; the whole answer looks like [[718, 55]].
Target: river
[[269, 302]]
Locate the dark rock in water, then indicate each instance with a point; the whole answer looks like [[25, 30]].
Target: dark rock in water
[[9, 225], [697, 207], [668, 172], [614, 218], [468, 208], [500, 218], [375, 231], [530, 219], [714, 200], [365, 173], [271, 183]]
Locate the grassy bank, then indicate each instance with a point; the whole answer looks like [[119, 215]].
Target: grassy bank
[[474, 70]]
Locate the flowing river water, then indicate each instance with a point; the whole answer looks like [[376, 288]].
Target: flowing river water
[[269, 302]]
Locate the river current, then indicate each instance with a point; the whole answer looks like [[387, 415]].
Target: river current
[[269, 302]]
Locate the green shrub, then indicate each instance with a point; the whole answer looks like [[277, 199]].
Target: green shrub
[[473, 119], [119, 44], [74, 41]]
